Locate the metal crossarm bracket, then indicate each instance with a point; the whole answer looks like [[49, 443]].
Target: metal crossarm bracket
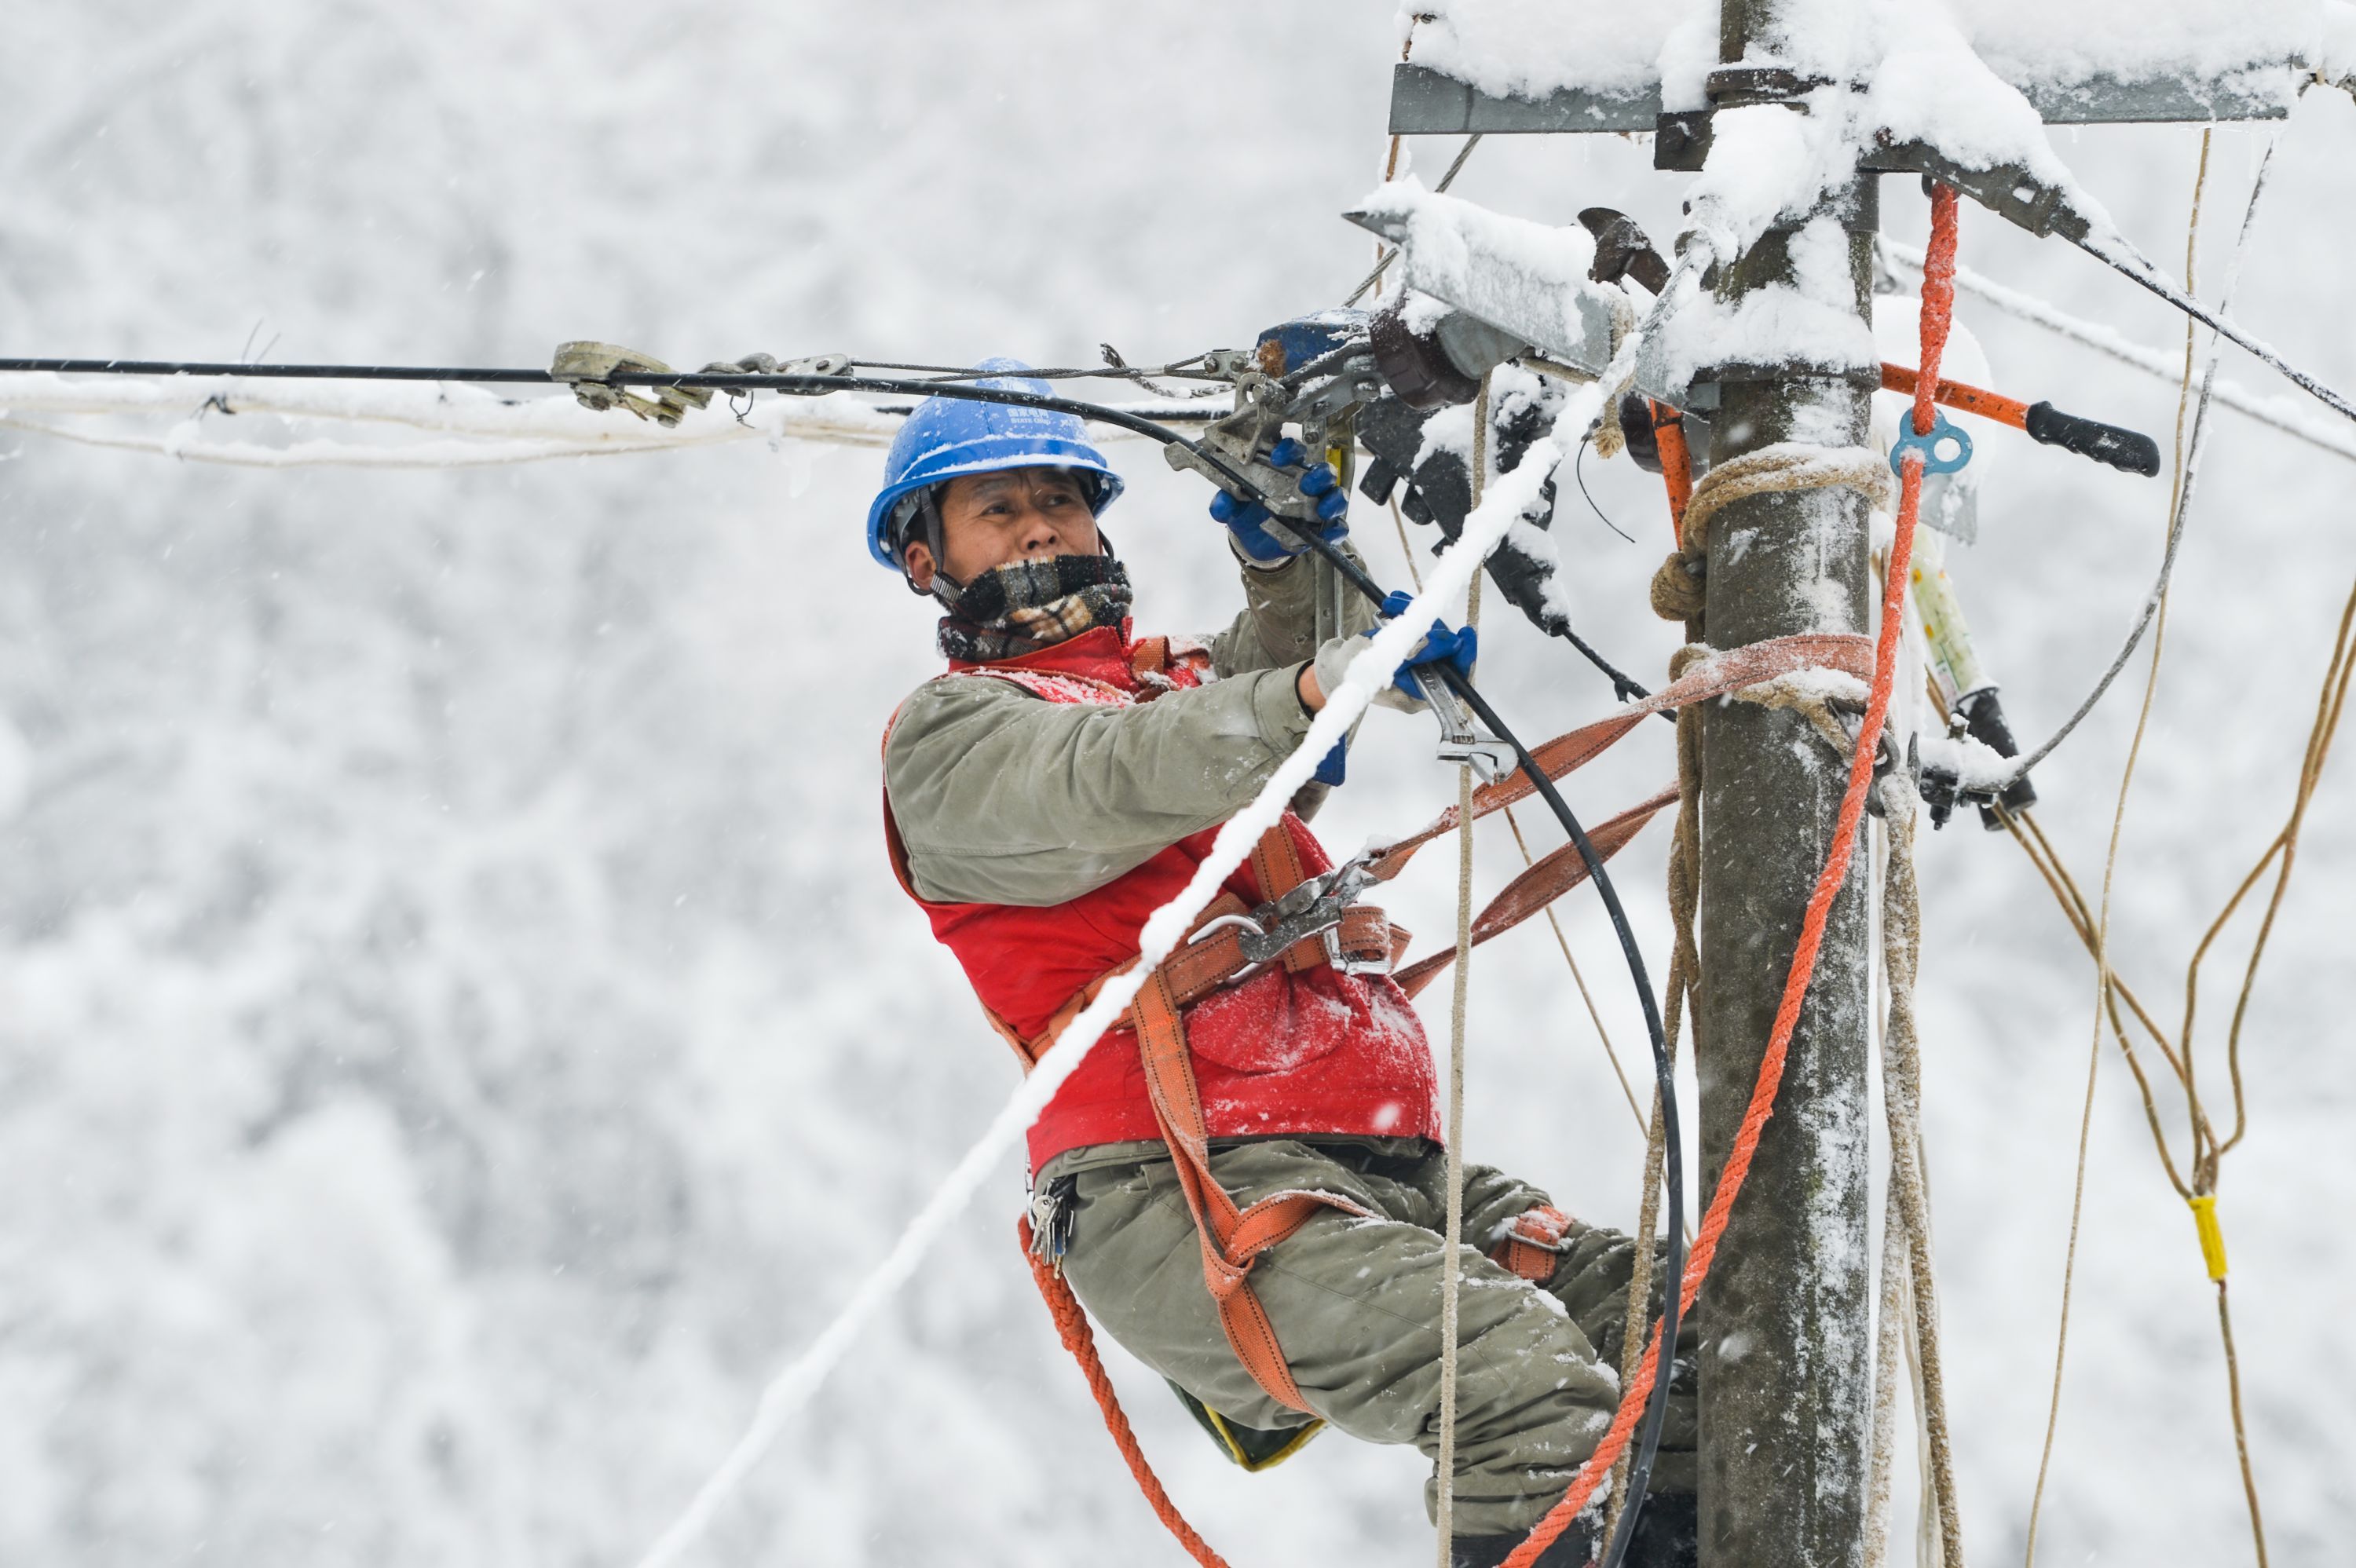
[[2008, 190], [1425, 103]]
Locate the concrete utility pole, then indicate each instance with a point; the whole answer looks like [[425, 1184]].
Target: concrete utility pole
[[1785, 1373], [1785, 1365]]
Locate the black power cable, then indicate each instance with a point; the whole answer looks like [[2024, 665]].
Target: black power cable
[[1673, 1163], [432, 373]]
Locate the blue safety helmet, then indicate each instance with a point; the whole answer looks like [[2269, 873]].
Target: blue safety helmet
[[948, 436]]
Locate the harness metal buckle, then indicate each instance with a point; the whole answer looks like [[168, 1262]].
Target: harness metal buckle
[[1312, 908], [1342, 962], [1251, 928]]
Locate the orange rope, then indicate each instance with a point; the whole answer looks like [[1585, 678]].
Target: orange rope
[[1938, 315], [1071, 1319], [1072, 1325]]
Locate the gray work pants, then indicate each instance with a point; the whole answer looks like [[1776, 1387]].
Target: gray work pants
[[1355, 1304]]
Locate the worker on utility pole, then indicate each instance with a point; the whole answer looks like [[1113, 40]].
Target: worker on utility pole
[[1050, 792]]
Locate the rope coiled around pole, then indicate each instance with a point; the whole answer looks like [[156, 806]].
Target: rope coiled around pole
[[1938, 314]]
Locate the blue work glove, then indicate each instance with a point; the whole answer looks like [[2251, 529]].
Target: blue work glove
[[1336, 765], [1440, 646], [1249, 520]]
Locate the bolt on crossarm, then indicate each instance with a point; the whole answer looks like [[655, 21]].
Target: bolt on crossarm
[[1784, 1368]]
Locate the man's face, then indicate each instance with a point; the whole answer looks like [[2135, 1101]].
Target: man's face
[[1015, 514]]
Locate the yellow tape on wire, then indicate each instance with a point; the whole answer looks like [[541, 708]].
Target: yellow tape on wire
[[2212, 1237]]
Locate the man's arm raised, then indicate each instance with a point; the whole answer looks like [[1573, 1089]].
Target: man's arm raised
[[1002, 797]]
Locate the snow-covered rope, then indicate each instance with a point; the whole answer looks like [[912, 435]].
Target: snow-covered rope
[[1368, 676], [2285, 414]]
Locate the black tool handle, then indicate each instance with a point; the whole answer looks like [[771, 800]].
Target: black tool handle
[[2124, 449], [1984, 722]]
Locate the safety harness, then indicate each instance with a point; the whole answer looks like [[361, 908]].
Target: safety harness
[[1306, 920]]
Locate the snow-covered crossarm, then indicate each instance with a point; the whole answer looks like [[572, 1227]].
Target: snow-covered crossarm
[[1529, 279], [1369, 674], [1512, 66]]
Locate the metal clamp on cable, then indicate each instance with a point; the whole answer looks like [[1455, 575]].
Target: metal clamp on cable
[[588, 368]]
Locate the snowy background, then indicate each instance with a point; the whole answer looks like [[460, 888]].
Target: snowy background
[[458, 1030]]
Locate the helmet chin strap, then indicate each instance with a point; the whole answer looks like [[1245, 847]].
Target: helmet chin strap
[[928, 510]]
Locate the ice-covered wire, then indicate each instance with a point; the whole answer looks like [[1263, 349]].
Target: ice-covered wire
[[2284, 414], [1192, 364], [489, 429], [2020, 766], [2115, 249]]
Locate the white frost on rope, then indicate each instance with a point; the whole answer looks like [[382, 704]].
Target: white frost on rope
[[1813, 684], [1369, 674], [2292, 415]]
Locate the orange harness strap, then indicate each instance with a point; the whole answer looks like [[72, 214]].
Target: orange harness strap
[[1232, 1238], [1533, 1245]]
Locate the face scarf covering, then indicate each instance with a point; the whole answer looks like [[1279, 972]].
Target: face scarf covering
[[1026, 605]]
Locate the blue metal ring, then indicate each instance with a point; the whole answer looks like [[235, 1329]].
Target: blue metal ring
[[1942, 429]]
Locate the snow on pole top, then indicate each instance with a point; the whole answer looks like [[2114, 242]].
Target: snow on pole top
[[1530, 48]]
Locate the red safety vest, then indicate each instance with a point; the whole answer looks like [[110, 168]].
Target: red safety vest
[[1301, 1052]]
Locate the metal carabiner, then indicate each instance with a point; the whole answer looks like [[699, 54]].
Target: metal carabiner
[[1238, 922]]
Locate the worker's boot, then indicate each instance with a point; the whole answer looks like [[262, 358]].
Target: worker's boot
[[1570, 1550]]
